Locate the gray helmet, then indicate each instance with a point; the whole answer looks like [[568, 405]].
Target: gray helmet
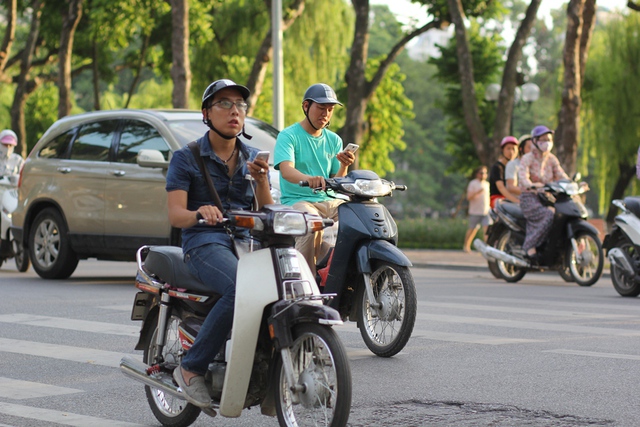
[[321, 94], [223, 84]]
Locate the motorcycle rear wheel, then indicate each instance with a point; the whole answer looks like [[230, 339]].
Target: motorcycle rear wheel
[[625, 286], [586, 264], [167, 409], [321, 370], [510, 273], [387, 330], [21, 257], [491, 241]]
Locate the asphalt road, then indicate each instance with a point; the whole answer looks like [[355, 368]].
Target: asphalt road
[[541, 352]]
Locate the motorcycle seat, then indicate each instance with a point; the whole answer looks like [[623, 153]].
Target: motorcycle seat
[[512, 209], [633, 204], [167, 263]]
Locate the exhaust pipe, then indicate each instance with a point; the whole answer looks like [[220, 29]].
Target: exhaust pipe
[[619, 259], [492, 254], [138, 371]]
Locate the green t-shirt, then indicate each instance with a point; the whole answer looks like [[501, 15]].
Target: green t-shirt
[[315, 156]]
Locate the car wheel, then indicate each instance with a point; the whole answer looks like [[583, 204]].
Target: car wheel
[[49, 246]]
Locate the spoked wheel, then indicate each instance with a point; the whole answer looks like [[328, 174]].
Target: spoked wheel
[[586, 258], [168, 409], [386, 325], [506, 243], [492, 240], [21, 256], [565, 273], [625, 285], [322, 380]]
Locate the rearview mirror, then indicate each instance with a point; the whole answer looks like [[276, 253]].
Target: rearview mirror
[[151, 159], [577, 176]]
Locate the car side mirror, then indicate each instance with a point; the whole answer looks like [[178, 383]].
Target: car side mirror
[[151, 159]]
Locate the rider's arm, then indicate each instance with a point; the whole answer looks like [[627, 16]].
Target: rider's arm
[[293, 175], [181, 217], [513, 187], [558, 172], [506, 193]]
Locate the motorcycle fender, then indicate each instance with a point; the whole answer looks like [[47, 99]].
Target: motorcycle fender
[[580, 225], [630, 225], [287, 314], [148, 323], [382, 250], [256, 288]]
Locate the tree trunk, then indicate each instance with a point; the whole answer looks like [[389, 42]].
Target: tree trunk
[[506, 100], [265, 53], [180, 65], [24, 87], [360, 90], [627, 172], [9, 35], [70, 22], [580, 23], [465, 68], [95, 75], [138, 71]]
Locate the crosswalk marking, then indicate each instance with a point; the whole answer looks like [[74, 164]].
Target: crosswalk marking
[[72, 324], [594, 354], [59, 417], [62, 352], [17, 389]]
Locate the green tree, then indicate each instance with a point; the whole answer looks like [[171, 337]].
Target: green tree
[[611, 129]]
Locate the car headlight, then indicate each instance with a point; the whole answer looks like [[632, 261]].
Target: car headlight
[[368, 187], [290, 223]]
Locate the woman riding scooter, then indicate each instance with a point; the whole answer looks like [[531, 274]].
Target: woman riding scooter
[[537, 168]]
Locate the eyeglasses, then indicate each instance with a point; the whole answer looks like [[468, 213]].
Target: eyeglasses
[[227, 105]]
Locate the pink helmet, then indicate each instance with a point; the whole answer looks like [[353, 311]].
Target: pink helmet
[[508, 140], [8, 137]]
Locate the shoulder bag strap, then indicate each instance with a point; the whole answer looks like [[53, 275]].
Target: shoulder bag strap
[[195, 150]]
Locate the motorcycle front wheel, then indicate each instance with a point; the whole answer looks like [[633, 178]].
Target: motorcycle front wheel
[[387, 325], [586, 258], [21, 256], [510, 273], [167, 409], [626, 286], [322, 380]]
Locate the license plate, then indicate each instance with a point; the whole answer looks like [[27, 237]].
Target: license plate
[[139, 310]]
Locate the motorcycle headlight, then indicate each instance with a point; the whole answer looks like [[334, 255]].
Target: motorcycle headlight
[[368, 187], [290, 223]]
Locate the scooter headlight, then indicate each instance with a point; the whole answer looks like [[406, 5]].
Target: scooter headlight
[[290, 223], [368, 187]]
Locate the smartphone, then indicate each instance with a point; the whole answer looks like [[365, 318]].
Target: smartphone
[[262, 155], [352, 148]]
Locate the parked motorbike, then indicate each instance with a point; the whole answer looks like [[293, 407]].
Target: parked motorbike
[[623, 247], [282, 353], [573, 246], [365, 269], [10, 247]]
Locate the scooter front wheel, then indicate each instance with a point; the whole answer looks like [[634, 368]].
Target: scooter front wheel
[[386, 323], [167, 409], [586, 258], [624, 285], [322, 395]]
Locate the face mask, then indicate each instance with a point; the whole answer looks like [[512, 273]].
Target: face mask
[[545, 146], [4, 151]]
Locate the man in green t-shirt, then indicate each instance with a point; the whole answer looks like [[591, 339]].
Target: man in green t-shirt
[[307, 151]]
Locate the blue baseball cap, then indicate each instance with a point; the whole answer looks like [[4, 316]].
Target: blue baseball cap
[[540, 130]]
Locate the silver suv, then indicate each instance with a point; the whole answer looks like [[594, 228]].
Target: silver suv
[[93, 186]]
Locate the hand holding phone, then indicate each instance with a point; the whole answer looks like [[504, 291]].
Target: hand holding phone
[[352, 148]]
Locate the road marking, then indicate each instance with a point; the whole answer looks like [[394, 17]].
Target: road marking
[[71, 324], [59, 417], [523, 310], [122, 307], [63, 352], [559, 302], [538, 326], [594, 354], [17, 389]]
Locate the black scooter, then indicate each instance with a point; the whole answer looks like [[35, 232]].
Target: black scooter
[[365, 269], [573, 247]]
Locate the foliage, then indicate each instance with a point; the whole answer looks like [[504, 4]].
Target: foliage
[[487, 66], [611, 129], [432, 233]]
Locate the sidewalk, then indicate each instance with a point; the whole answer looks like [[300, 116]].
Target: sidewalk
[[456, 260]]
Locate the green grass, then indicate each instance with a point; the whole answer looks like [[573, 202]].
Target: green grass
[[426, 233]]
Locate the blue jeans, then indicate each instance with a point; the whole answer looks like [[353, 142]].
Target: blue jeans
[[215, 265]]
